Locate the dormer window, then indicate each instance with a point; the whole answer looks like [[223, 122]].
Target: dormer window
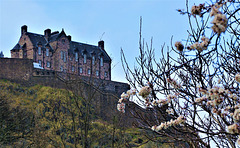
[[39, 50], [93, 60], [85, 58], [101, 61], [76, 56], [47, 52]]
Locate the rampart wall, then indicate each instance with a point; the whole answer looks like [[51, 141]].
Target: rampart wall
[[22, 71]]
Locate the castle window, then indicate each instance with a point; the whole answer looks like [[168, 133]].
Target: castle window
[[84, 58], [48, 64], [89, 71], [101, 61], [40, 62], [61, 68], [73, 68], [47, 52], [97, 73], [62, 55], [39, 50], [93, 60], [76, 56], [80, 70], [63, 41], [105, 74]]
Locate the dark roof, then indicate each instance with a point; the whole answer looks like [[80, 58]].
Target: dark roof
[[53, 37], [37, 39], [17, 46], [89, 49]]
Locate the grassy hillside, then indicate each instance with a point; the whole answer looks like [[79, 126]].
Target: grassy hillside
[[41, 116]]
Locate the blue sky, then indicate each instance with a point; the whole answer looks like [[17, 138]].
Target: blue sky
[[87, 20]]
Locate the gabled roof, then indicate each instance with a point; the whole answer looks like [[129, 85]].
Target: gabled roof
[[36, 38], [53, 37], [90, 49], [23, 46], [61, 34], [17, 46]]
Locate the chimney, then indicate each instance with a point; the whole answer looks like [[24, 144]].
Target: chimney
[[69, 38], [23, 29], [47, 33], [101, 44]]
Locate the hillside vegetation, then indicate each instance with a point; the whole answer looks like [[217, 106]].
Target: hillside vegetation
[[41, 116]]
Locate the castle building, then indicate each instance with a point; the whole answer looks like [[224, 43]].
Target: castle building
[[56, 51]]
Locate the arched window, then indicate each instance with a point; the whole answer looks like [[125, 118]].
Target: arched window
[[101, 61], [62, 55], [73, 68], [80, 70], [97, 73], [47, 52], [93, 60], [76, 56], [89, 71], [39, 50], [106, 74], [85, 58]]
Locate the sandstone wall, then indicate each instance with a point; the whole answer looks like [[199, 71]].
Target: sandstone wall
[[106, 92]]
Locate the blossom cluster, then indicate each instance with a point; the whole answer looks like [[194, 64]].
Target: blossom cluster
[[237, 77], [219, 23], [200, 46], [234, 128], [179, 46], [164, 101], [165, 125], [173, 83], [215, 96], [145, 91], [215, 9], [121, 107], [197, 10], [124, 98]]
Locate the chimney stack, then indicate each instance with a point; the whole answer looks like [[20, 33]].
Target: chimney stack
[[23, 29], [101, 44], [69, 38], [47, 33]]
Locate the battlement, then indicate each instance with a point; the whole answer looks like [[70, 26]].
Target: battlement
[[22, 71]]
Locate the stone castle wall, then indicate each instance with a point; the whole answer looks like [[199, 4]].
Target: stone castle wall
[[21, 70], [107, 92]]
